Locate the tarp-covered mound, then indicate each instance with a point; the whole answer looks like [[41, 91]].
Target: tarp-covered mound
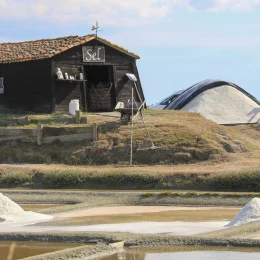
[[219, 101]]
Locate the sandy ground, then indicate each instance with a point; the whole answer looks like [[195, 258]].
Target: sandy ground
[[128, 210]]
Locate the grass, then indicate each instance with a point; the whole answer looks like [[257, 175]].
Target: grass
[[182, 138], [132, 178]]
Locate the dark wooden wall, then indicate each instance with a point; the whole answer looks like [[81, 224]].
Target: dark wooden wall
[[28, 85], [33, 85], [71, 61]]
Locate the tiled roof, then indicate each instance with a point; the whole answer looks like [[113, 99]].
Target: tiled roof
[[47, 48]]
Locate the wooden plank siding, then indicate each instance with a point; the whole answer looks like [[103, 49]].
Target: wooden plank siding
[[28, 85], [33, 85], [71, 61]]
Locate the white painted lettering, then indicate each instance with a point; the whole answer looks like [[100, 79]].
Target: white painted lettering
[[93, 55], [99, 53], [90, 56]]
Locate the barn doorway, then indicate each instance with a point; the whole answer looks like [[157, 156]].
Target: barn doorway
[[100, 88]]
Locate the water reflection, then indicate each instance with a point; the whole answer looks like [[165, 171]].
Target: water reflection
[[26, 249], [187, 253]]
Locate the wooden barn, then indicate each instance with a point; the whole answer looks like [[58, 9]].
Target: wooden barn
[[98, 67]]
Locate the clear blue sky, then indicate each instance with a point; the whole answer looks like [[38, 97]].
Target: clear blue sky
[[180, 42]]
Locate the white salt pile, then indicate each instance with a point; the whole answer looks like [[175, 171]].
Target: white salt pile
[[251, 212], [225, 105], [11, 212]]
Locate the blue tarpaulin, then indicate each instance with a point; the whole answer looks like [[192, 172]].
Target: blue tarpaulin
[[190, 93]]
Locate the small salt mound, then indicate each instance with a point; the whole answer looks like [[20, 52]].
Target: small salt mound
[[251, 212], [12, 212], [7, 206]]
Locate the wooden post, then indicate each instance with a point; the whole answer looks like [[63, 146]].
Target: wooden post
[[94, 132], [84, 90], [39, 134], [53, 83], [78, 116]]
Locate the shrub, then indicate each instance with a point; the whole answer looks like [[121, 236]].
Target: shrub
[[147, 194], [15, 179], [243, 180]]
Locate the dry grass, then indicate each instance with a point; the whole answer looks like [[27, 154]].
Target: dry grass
[[182, 138], [195, 177]]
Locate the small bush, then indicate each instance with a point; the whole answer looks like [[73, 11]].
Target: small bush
[[191, 194], [212, 194], [244, 180], [166, 193], [147, 194], [15, 179]]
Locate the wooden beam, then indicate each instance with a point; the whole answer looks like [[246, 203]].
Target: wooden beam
[[139, 85], [68, 138], [53, 100], [115, 81], [95, 132], [39, 134], [56, 131], [84, 90]]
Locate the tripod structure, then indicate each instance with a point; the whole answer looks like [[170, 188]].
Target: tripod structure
[[139, 112]]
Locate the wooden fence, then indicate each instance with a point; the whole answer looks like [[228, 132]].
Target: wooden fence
[[46, 134]]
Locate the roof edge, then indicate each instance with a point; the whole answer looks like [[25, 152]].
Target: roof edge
[[81, 40]]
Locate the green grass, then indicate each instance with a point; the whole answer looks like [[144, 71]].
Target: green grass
[[246, 180]]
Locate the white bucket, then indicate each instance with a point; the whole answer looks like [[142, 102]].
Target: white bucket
[[73, 106]]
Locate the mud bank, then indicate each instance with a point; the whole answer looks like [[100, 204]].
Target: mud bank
[[130, 240], [88, 199], [83, 252]]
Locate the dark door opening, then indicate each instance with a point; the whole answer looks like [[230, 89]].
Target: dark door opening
[[100, 88]]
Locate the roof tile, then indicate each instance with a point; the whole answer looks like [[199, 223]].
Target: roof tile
[[47, 48]]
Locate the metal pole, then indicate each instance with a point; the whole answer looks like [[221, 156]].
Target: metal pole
[[132, 130], [142, 118]]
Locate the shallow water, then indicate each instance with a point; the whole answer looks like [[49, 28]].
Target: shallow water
[[175, 221], [171, 228], [36, 207], [183, 214], [26, 249], [187, 253]]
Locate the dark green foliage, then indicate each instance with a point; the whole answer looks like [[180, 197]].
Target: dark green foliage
[[112, 180], [247, 180], [15, 179]]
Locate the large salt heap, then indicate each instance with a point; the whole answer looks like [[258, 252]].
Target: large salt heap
[[251, 212], [219, 101], [11, 212]]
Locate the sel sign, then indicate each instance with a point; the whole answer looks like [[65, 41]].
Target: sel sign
[[91, 54]]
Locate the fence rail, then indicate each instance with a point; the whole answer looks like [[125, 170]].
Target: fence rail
[[47, 134]]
